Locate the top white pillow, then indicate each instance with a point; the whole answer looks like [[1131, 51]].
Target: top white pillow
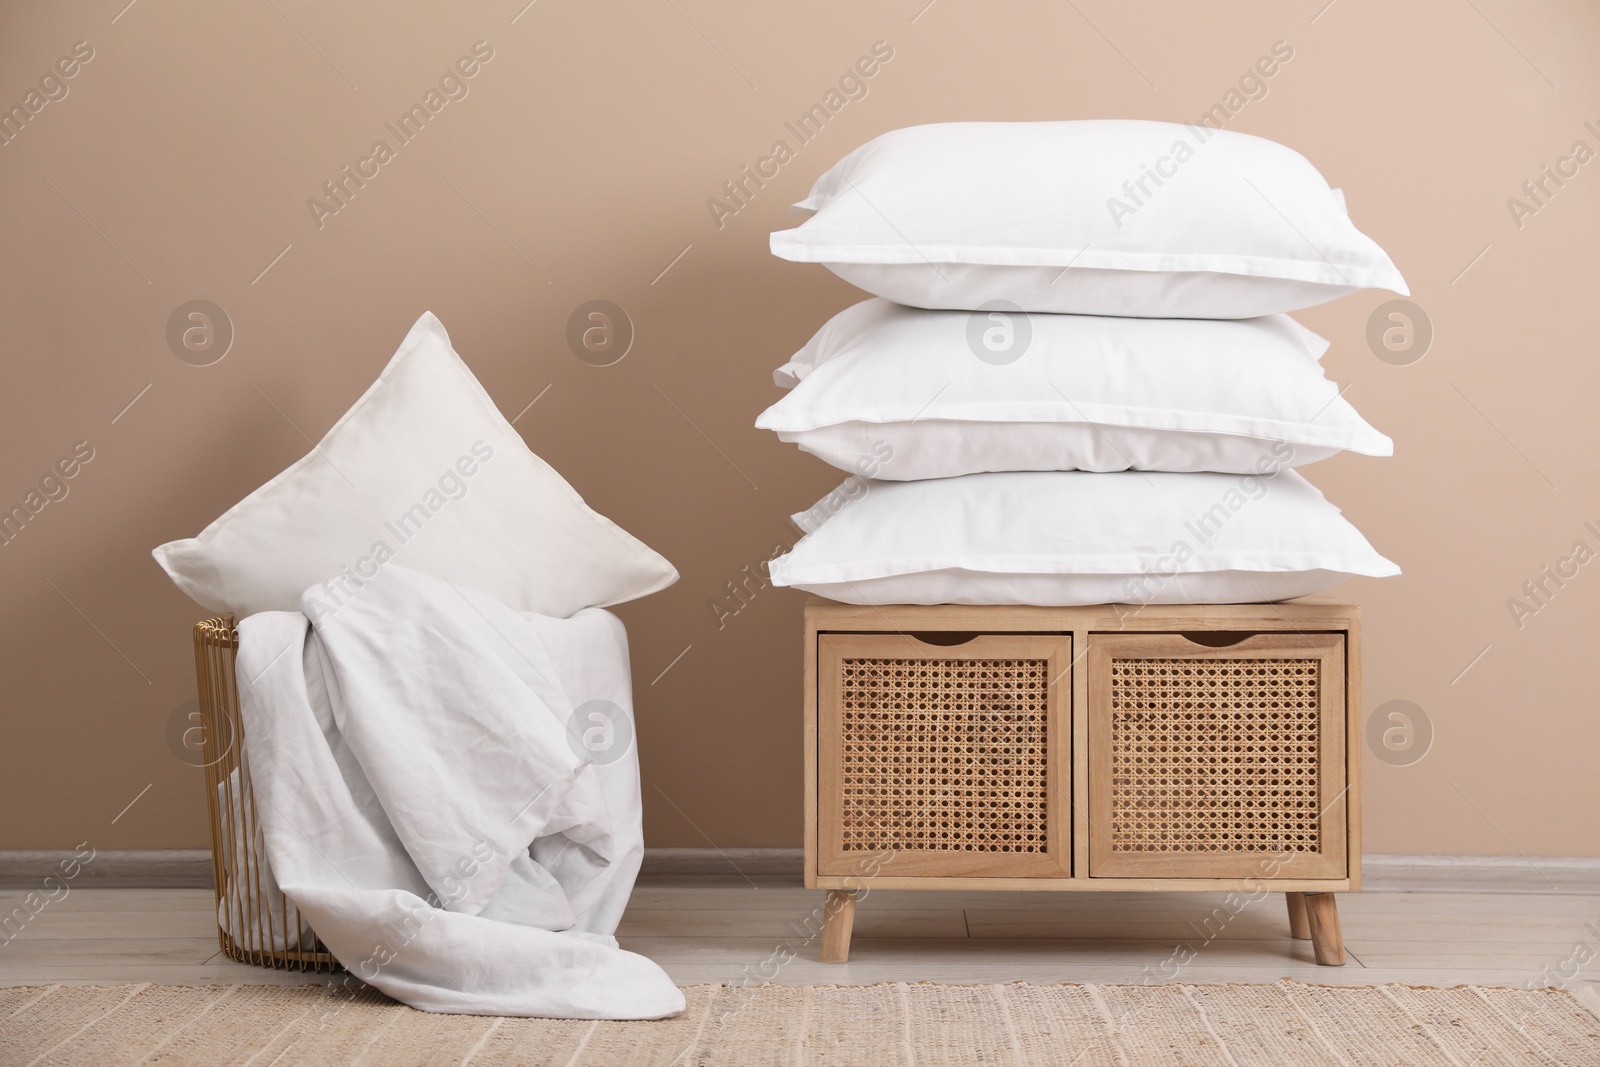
[[1097, 217], [426, 471]]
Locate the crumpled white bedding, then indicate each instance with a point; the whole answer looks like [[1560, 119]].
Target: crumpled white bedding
[[422, 804], [253, 909]]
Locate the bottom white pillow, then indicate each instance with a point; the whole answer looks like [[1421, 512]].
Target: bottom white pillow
[[1056, 538]]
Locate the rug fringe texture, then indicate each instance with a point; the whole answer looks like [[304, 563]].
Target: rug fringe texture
[[918, 1025]]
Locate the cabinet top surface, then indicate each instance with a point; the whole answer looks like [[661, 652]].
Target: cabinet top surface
[[1323, 612]]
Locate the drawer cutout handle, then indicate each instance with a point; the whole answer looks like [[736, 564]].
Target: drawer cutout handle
[[1217, 638], [944, 638]]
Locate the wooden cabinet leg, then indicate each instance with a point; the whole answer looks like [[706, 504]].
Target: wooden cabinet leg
[[838, 916], [1299, 925], [1322, 911]]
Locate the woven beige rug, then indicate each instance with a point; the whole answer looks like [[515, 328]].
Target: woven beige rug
[[1084, 1025]]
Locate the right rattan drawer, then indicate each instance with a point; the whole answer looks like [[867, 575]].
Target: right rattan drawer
[[1217, 754]]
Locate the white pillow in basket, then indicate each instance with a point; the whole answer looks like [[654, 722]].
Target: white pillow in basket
[[423, 470]]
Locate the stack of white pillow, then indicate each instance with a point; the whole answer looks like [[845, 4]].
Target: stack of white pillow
[[1077, 383]]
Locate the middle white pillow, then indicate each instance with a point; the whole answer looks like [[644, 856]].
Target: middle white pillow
[[900, 393]]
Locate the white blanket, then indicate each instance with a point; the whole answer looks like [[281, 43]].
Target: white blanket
[[423, 805]]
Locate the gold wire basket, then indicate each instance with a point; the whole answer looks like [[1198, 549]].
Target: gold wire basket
[[255, 922]]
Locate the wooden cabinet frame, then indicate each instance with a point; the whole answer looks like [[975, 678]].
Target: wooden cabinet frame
[[1315, 626]]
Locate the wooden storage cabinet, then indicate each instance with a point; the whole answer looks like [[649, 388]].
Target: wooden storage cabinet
[[1187, 747]]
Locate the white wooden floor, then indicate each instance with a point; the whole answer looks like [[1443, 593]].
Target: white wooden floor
[[734, 931]]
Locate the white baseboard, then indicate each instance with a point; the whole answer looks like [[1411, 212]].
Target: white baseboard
[[191, 868], [1382, 872], [735, 863], [1405, 873]]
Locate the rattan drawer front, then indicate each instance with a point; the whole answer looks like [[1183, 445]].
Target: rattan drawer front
[[939, 759], [1217, 760]]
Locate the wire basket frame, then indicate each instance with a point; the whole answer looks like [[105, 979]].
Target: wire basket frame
[[255, 922]]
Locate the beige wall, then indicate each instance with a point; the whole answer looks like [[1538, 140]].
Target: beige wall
[[180, 161]]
